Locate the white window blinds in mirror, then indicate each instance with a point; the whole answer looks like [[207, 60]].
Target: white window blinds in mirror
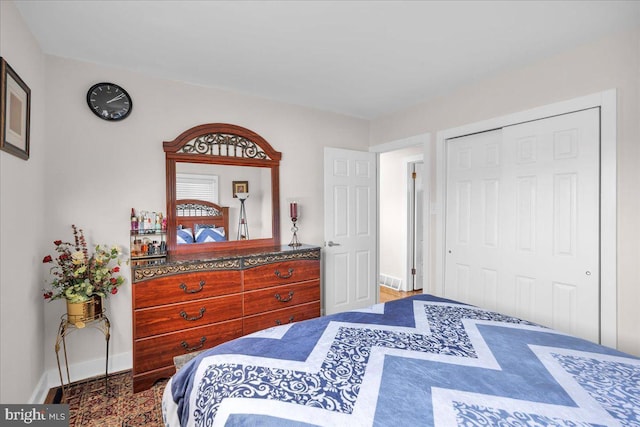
[[195, 186]]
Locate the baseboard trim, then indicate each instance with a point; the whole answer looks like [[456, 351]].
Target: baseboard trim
[[79, 371]]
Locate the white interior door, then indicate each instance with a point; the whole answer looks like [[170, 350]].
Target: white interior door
[[350, 216], [522, 221]]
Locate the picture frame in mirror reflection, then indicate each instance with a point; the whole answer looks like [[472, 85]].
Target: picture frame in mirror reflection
[[15, 112], [240, 187]]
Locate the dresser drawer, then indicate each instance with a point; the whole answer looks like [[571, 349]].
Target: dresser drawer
[[185, 287], [183, 315], [279, 297], [158, 352], [281, 317], [281, 273]]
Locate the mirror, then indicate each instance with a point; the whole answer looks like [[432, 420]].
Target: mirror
[[222, 190], [198, 180]]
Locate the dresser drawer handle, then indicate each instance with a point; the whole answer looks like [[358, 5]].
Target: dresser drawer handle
[[287, 299], [185, 317], [282, 276], [191, 291], [278, 322], [190, 349]]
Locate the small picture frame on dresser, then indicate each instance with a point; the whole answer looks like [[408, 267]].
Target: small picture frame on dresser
[[15, 112]]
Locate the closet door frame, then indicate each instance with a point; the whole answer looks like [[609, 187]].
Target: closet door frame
[[606, 101]]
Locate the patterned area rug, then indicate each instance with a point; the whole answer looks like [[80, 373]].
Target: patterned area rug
[[89, 405]]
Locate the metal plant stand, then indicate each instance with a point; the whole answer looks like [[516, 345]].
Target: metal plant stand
[[100, 322]]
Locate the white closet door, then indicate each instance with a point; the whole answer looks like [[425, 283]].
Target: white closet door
[[473, 240], [522, 221]]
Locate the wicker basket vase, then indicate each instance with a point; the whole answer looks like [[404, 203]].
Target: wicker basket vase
[[81, 312]]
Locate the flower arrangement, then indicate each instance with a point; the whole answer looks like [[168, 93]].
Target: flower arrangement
[[78, 275]]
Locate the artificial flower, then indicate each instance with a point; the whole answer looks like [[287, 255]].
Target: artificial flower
[[77, 276]]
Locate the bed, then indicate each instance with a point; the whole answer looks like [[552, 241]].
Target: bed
[[421, 360], [199, 221]]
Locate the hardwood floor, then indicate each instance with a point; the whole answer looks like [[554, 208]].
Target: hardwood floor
[[388, 294]]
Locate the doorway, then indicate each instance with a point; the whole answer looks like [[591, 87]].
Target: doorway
[[401, 223], [415, 258]]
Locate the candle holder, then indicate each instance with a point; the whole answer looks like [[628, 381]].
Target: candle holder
[[294, 229], [293, 213]]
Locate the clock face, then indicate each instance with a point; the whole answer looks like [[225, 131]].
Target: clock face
[[109, 101]]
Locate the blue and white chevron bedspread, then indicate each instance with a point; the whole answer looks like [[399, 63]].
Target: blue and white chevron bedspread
[[417, 361]]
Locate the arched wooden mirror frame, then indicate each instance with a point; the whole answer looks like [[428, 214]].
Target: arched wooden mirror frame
[[223, 144]]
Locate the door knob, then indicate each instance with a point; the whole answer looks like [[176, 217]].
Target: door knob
[[330, 243]]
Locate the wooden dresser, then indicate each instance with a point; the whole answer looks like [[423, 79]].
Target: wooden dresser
[[191, 304]]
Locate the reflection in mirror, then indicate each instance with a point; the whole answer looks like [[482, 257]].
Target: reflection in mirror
[[199, 186], [258, 208], [226, 153]]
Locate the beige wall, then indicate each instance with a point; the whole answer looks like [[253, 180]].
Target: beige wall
[[22, 212], [610, 63]]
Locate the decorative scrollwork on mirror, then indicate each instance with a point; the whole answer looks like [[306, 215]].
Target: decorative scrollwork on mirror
[[220, 144], [224, 145]]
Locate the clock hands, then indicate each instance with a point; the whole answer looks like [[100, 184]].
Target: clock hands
[[109, 101], [116, 98]]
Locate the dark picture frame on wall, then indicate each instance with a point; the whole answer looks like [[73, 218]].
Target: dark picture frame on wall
[[240, 187], [15, 112]]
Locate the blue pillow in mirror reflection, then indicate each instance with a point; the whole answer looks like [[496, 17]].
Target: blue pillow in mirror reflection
[[204, 235], [184, 235]]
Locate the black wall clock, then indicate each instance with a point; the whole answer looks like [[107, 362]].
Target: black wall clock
[[109, 101]]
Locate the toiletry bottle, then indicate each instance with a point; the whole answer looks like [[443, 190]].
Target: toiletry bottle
[[136, 251], [134, 221]]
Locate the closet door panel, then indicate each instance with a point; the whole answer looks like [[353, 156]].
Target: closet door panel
[[522, 221]]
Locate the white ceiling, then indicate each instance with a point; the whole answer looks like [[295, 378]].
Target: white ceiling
[[361, 58]]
